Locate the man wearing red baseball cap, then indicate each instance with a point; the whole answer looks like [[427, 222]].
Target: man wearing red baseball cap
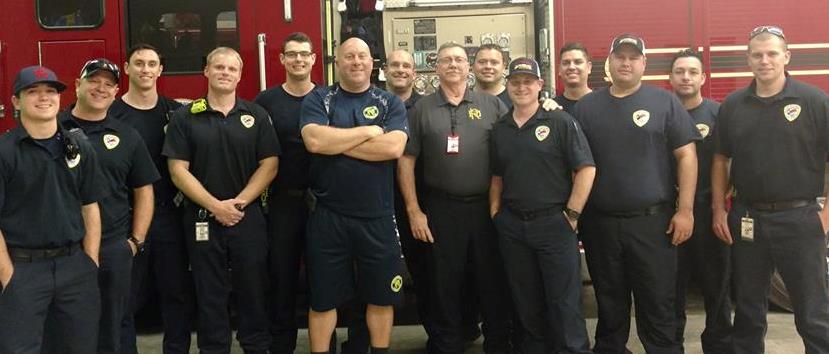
[[49, 225]]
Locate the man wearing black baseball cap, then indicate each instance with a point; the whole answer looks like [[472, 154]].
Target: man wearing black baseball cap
[[634, 220], [49, 225], [535, 206], [127, 209]]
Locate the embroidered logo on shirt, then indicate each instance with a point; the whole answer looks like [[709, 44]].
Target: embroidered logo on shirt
[[641, 117], [541, 132], [73, 162], [474, 113], [704, 129], [111, 141], [397, 284], [371, 112], [791, 111], [247, 120], [198, 106]]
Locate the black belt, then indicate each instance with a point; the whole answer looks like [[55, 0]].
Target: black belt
[[531, 214], [778, 206], [651, 210], [297, 193], [459, 198], [41, 254]]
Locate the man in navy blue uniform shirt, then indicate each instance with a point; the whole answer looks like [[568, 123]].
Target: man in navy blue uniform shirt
[[222, 152], [634, 220], [50, 225], [287, 210], [127, 210], [775, 135], [704, 258], [165, 254], [354, 132], [542, 172]]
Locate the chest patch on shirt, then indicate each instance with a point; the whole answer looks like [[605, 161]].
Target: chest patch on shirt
[[73, 162], [247, 120], [111, 141], [474, 113], [542, 132], [791, 112], [371, 112], [641, 117], [704, 129]]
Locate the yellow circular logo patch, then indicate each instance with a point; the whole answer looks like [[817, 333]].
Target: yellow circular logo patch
[[371, 112], [397, 284]]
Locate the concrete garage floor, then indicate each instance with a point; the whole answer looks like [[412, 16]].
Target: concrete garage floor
[[781, 338]]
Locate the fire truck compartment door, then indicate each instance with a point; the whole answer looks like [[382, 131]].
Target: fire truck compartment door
[[66, 58]]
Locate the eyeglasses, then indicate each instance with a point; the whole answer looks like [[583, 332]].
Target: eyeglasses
[[294, 55], [777, 31], [450, 60]]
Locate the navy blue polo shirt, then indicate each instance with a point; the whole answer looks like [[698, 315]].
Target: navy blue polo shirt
[[344, 184], [632, 140], [151, 124], [125, 165], [223, 151], [777, 145], [536, 161], [42, 192], [293, 163]]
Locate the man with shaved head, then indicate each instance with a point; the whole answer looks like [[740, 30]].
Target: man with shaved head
[[354, 133]]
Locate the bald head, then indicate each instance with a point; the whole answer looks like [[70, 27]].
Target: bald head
[[354, 64]]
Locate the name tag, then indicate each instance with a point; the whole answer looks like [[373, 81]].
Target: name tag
[[453, 144], [202, 231], [747, 228]]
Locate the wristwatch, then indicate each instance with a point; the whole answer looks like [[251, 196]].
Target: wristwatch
[[139, 245], [571, 214]]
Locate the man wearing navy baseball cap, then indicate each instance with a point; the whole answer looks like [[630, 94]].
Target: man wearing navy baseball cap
[[535, 206], [49, 225], [638, 211]]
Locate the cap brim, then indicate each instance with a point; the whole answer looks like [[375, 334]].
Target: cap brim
[[56, 84]]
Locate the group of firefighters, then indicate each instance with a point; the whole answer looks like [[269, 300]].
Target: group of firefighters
[[486, 191]]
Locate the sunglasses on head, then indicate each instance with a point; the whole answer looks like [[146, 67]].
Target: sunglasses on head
[[777, 31]]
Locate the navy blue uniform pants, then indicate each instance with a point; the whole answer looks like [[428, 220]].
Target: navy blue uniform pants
[[115, 258], [165, 263], [542, 265], [65, 289], [792, 241], [632, 255], [706, 260], [114, 281], [287, 216], [463, 231], [232, 259]]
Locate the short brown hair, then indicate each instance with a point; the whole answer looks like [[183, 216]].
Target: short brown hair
[[574, 46], [298, 37]]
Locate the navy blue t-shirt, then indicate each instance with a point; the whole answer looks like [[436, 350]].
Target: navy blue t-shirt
[[293, 163], [632, 140], [705, 116], [344, 184]]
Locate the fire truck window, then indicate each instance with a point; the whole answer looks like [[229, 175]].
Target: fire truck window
[[69, 14], [184, 31]]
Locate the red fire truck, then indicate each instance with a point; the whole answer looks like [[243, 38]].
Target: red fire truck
[[63, 34]]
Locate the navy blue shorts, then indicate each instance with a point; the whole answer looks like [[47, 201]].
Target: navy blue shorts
[[338, 245]]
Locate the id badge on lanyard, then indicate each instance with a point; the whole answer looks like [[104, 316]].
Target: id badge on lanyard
[[453, 140]]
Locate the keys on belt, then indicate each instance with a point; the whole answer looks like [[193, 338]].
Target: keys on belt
[[41, 254]]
